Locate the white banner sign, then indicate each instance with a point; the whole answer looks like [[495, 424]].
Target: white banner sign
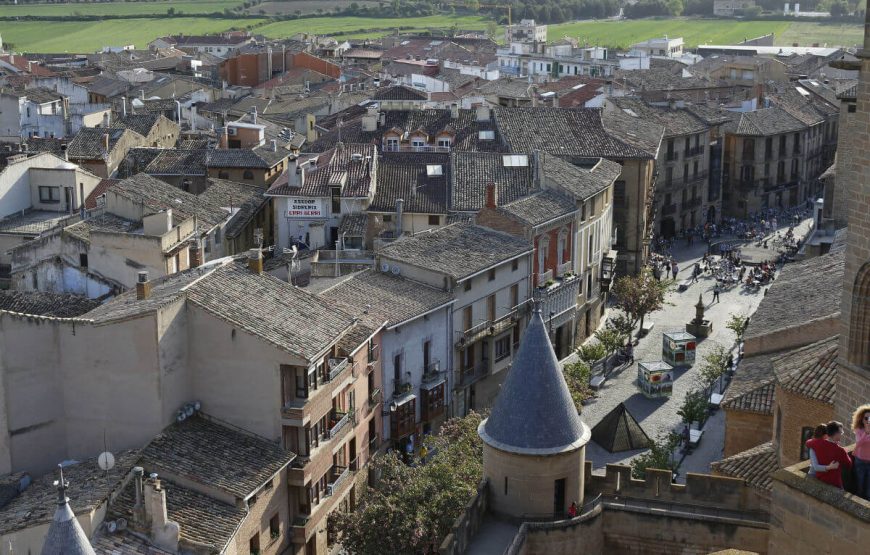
[[300, 208]]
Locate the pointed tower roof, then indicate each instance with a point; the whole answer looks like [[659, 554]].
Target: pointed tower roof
[[65, 535], [619, 431], [534, 413]]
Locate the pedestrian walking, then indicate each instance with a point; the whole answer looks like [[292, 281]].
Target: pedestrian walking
[[716, 289], [696, 271], [675, 269]]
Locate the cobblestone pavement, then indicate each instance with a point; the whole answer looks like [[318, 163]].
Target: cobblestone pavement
[[655, 415]]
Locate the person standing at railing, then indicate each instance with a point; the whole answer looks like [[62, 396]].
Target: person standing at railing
[[861, 427], [828, 450]]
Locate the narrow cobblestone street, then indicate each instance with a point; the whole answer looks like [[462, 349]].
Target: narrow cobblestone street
[[657, 415]]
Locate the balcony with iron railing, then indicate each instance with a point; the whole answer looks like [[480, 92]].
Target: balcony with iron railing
[[694, 151], [467, 376], [493, 327], [543, 277], [401, 387], [339, 422], [339, 482], [564, 268], [432, 372], [413, 148], [559, 297], [305, 468], [318, 401], [374, 398]]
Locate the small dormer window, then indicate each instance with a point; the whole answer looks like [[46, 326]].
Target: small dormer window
[[444, 142], [418, 142], [392, 143]]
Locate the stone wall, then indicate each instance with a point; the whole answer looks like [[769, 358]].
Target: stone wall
[[744, 430], [811, 517], [798, 335], [581, 534]]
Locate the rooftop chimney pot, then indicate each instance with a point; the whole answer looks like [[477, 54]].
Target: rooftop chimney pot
[[143, 286], [491, 195], [255, 261]]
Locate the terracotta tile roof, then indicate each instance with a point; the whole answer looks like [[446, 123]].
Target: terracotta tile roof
[[170, 161], [675, 121], [404, 175], [354, 225], [810, 371], [753, 465], [88, 488], [202, 519], [104, 185], [140, 123], [156, 195], [88, 142], [216, 456], [242, 200], [582, 180], [400, 92], [337, 167], [457, 250], [803, 292], [540, 207], [563, 132], [471, 172], [61, 305], [752, 386], [767, 121], [104, 222], [381, 297]]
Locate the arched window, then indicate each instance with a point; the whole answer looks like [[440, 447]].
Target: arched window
[[248, 175], [859, 326]]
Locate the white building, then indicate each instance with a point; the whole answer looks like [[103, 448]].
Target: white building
[[661, 48], [32, 113], [525, 31], [730, 8]]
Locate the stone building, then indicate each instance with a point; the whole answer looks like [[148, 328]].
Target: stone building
[[689, 164], [534, 440]]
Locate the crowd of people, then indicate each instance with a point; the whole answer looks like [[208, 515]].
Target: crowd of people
[[829, 462]]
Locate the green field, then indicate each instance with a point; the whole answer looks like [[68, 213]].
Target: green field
[[356, 26], [91, 36], [621, 34], [118, 8]]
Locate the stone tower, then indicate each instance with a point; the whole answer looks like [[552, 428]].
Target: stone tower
[[65, 535], [534, 441], [853, 383]]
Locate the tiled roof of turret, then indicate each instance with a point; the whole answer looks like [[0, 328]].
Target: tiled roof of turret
[[534, 413]]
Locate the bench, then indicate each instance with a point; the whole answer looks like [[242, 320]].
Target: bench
[[597, 381], [646, 327]]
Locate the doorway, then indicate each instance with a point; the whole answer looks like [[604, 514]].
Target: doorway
[[559, 497], [667, 228], [711, 215]]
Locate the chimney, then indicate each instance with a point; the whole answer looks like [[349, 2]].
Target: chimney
[[107, 122], [482, 113], [124, 104], [295, 174], [255, 261], [65, 153], [225, 138], [454, 111], [142, 91], [143, 286], [164, 532], [195, 255], [139, 513], [253, 114], [400, 204], [491, 195], [106, 141], [273, 145], [192, 118]]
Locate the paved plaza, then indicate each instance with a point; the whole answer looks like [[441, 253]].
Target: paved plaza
[[655, 415]]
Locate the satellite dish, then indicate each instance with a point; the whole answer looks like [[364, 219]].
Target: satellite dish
[[197, 405], [111, 526], [188, 410], [106, 461], [385, 267], [395, 270], [121, 523]]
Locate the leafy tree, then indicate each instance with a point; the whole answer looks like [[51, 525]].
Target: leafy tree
[[640, 295], [659, 456], [694, 408], [492, 29], [170, 12], [591, 352], [839, 9], [577, 377], [411, 508], [738, 324], [715, 365], [620, 323], [611, 339]]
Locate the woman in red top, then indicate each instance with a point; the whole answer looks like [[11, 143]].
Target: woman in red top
[[827, 451]]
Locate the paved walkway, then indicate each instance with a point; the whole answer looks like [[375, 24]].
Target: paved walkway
[[656, 415], [493, 537]]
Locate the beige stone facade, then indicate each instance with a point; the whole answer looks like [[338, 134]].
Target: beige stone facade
[[744, 430], [523, 485], [794, 416]]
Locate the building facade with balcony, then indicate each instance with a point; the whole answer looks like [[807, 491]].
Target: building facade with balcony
[[414, 351], [487, 272], [688, 191], [772, 161]]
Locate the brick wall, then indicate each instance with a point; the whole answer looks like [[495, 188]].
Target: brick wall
[[797, 412], [744, 430]]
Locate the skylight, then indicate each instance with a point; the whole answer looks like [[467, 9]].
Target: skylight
[[434, 170], [486, 135], [515, 160]]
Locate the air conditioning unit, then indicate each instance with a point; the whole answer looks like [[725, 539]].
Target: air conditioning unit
[[385, 267], [395, 270], [231, 131]]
